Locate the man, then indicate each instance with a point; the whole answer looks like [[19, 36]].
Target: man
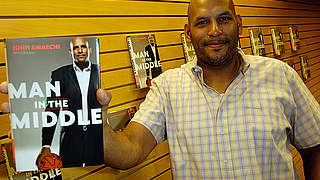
[[152, 59], [225, 116], [80, 145]]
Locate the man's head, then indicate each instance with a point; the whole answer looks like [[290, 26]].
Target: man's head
[[151, 40], [79, 49], [213, 28]]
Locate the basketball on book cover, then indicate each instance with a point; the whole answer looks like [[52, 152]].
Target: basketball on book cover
[[50, 162]]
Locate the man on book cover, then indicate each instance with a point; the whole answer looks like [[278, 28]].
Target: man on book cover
[[80, 143], [152, 59]]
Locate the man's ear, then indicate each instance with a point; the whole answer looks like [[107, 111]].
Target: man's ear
[[70, 54], [187, 33], [239, 23], [90, 50]]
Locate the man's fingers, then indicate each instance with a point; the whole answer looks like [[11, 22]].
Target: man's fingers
[[103, 97], [5, 107], [4, 87]]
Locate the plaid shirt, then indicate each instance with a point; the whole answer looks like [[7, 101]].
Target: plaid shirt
[[242, 134]]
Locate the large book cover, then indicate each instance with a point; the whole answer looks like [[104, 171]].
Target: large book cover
[[305, 69], [7, 151], [120, 119], [55, 115], [145, 58], [294, 38], [257, 42], [277, 41], [188, 49]]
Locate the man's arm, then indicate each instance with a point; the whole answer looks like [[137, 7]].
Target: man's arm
[[125, 148], [311, 162], [122, 149]]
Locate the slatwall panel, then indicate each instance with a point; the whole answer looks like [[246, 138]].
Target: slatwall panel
[[112, 21]]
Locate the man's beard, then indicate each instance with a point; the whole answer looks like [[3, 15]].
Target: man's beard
[[219, 60], [225, 59]]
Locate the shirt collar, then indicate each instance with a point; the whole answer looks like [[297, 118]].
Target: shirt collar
[[76, 68]]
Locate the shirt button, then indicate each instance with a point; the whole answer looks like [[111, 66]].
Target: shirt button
[[84, 128]]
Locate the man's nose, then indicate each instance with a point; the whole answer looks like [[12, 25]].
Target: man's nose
[[214, 29]]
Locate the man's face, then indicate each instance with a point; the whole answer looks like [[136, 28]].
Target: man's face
[[151, 41], [80, 49], [213, 30]]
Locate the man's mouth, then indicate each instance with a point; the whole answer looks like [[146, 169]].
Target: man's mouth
[[216, 44]]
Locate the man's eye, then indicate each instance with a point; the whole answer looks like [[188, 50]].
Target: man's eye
[[202, 22], [224, 19]]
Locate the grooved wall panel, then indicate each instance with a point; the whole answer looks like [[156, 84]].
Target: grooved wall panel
[[113, 20]]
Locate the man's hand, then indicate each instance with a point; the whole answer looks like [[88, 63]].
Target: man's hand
[[5, 105], [4, 89], [104, 98]]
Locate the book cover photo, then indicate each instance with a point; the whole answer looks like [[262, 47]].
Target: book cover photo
[[55, 116], [188, 49], [257, 42], [121, 118], [277, 41], [7, 151], [145, 58]]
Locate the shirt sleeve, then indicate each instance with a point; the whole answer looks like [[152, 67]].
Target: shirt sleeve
[[151, 112], [306, 119]]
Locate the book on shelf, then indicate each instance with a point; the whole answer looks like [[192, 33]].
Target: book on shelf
[[305, 69], [145, 58], [55, 115], [257, 42], [294, 38], [188, 49], [7, 152], [121, 118], [277, 41]]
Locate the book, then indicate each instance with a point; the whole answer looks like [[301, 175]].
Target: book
[[294, 38], [54, 111], [145, 59], [7, 151], [257, 42], [120, 119], [188, 49], [277, 41], [305, 69]]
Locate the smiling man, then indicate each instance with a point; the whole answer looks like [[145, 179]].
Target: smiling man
[[227, 115]]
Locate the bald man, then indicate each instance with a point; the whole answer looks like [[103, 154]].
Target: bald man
[[226, 116]]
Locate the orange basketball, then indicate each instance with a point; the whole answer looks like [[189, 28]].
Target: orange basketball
[[49, 162]]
